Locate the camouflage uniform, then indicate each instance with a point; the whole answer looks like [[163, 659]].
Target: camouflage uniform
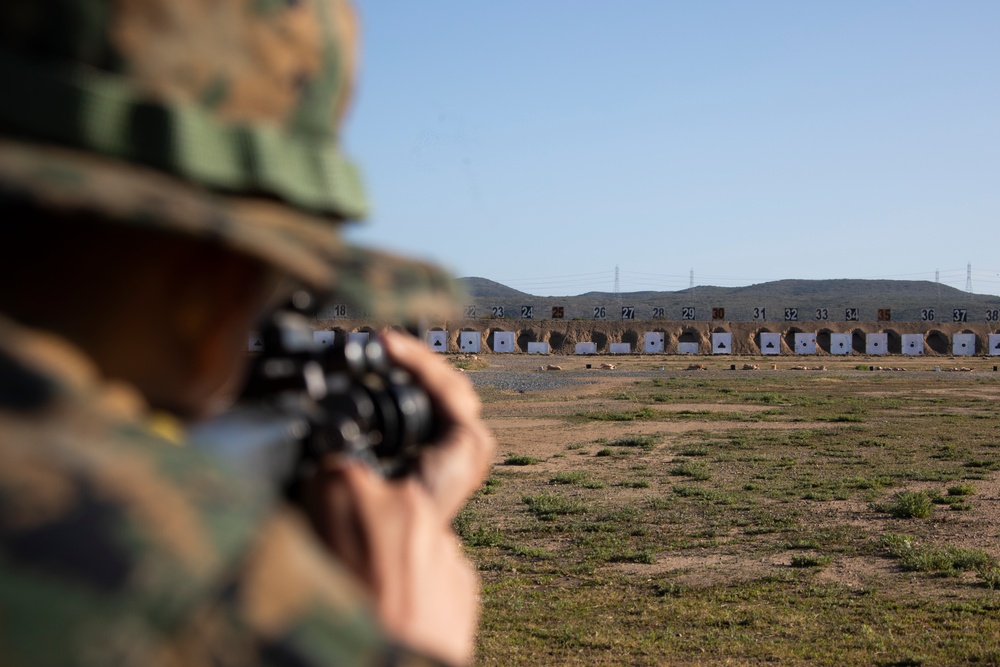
[[211, 118]]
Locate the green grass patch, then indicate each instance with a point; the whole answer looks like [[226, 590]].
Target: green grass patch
[[519, 460], [642, 441], [696, 471], [810, 561], [574, 477], [547, 506], [626, 416], [909, 505], [948, 560]]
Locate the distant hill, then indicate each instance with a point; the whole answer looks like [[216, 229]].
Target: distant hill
[[908, 300], [483, 287]]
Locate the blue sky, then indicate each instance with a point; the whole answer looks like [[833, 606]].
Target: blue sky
[[543, 143]]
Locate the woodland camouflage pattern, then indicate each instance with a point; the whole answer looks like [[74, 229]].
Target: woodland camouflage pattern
[[217, 118], [119, 546]]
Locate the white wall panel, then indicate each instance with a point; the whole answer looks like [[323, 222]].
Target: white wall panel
[[805, 343], [963, 344], [437, 340], [877, 343], [770, 343], [840, 343], [722, 343], [913, 344], [503, 341], [653, 342], [324, 338], [687, 348], [255, 342], [469, 341], [360, 337]]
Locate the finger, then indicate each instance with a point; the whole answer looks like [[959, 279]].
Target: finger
[[341, 498], [458, 462], [455, 398]]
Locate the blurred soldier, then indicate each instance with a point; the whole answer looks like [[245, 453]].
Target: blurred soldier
[[169, 171]]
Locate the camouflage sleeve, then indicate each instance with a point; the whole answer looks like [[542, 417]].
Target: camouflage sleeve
[[305, 609], [118, 548]]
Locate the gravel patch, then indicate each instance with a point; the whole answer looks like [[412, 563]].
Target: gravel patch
[[520, 382]]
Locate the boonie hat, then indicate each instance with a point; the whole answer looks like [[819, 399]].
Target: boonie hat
[[213, 118]]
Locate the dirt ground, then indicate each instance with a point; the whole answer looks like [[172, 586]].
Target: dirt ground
[[538, 428]]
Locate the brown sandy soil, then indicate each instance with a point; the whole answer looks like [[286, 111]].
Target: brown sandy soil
[[544, 424]]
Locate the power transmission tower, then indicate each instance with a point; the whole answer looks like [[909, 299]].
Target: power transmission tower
[[968, 278], [618, 296], [691, 284]]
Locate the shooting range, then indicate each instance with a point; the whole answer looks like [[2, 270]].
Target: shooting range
[[877, 343], [722, 343], [255, 343], [994, 348], [538, 348], [620, 348], [360, 337], [963, 344], [503, 341], [585, 348], [469, 342], [324, 338], [913, 344], [770, 343], [653, 343], [687, 348], [805, 343], [437, 340], [840, 343]]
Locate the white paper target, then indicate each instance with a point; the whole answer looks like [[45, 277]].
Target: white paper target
[[840, 343], [687, 348], [437, 340], [469, 341], [503, 341], [653, 343], [963, 344], [586, 348], [770, 343], [913, 344], [994, 344], [538, 348], [255, 342], [620, 348], [805, 343], [360, 337], [722, 343], [877, 343], [324, 338]]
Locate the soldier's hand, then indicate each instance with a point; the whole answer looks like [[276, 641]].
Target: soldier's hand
[[454, 466], [396, 535]]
